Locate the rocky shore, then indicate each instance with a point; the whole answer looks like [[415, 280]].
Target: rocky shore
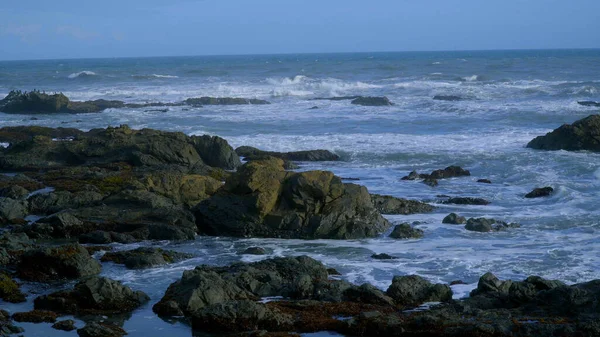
[[69, 191]]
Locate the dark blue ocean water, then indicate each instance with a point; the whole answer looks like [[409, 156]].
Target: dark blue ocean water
[[509, 97]]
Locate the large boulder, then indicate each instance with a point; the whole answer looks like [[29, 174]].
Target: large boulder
[[101, 329], [9, 290], [406, 231], [185, 189], [583, 134], [94, 295], [251, 153], [540, 192], [414, 290], [488, 225], [144, 257], [263, 200], [140, 148], [13, 209], [386, 204], [33, 102], [57, 263]]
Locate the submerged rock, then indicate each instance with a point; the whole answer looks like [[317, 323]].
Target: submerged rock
[[583, 134], [484, 181], [224, 101], [372, 101], [589, 103], [144, 257], [263, 200], [386, 204], [466, 201], [96, 295], [57, 263], [254, 251], [35, 316], [406, 231], [251, 153], [451, 98], [540, 192], [383, 256]]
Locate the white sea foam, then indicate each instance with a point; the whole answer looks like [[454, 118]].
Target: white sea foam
[[471, 78], [154, 76], [84, 73], [4, 145]]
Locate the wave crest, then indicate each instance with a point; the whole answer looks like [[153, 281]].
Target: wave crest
[[85, 73]]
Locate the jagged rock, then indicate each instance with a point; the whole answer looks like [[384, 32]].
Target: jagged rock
[[66, 325], [430, 182], [251, 153], [488, 225], [254, 251], [466, 201], [56, 263], [390, 205], [406, 231], [15, 192], [224, 101], [415, 290], [372, 101], [144, 257], [450, 172], [263, 200], [383, 256], [97, 295], [96, 329], [484, 181], [583, 134], [9, 290], [540, 192], [186, 189], [13, 209], [33, 102], [454, 219]]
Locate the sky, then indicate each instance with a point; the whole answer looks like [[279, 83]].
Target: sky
[[43, 29]]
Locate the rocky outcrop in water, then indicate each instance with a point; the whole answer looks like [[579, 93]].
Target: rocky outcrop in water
[[488, 225], [101, 329], [432, 178], [57, 263], [589, 103], [251, 153], [372, 101], [583, 134], [386, 204], [9, 289], [263, 200], [406, 231], [466, 201], [540, 192], [450, 98], [224, 101], [454, 219], [144, 257]]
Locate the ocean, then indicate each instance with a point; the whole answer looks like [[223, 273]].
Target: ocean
[[507, 98]]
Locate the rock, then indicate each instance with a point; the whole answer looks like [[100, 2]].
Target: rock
[[390, 205], [58, 225], [96, 329], [589, 103], [250, 153], [35, 316], [540, 192], [186, 189], [13, 209], [369, 294], [413, 175], [450, 172], [484, 181], [263, 200], [454, 219], [54, 202], [138, 148], [372, 101], [466, 201], [144, 257], [294, 277], [15, 192], [333, 271], [313, 108], [383, 256], [33, 102], [406, 231], [254, 251], [56, 263], [414, 290], [451, 98], [6, 326], [97, 295], [66, 325], [9, 290], [583, 134], [488, 225], [430, 182], [337, 98], [224, 101]]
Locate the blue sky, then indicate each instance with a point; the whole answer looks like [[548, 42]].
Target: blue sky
[[40, 29]]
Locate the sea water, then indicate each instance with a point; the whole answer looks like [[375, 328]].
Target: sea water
[[507, 99]]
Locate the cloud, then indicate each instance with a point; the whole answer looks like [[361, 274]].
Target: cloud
[[77, 32], [24, 32]]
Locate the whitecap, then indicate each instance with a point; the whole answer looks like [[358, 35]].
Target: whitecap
[[4, 145], [471, 78], [286, 80], [84, 73]]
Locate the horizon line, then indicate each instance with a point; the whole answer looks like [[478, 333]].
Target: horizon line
[[301, 53]]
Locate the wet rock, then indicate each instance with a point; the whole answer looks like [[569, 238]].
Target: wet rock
[[333, 271], [589, 103], [406, 231], [254, 251], [583, 134], [368, 294], [294, 277], [391, 205], [430, 182], [35, 316], [66, 325], [383, 256], [13, 209], [103, 237], [454, 219], [413, 175], [15, 192], [337, 98], [33, 102], [314, 108], [263, 200], [415, 290], [224, 101], [372, 101], [466, 201], [9, 290], [451, 98], [450, 172], [51, 203], [98, 295], [540, 192], [96, 329], [186, 189], [484, 181], [6, 326], [144, 257], [57, 263], [488, 225], [251, 153], [58, 225]]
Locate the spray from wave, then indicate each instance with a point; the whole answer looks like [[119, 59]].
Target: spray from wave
[[85, 73], [153, 76]]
